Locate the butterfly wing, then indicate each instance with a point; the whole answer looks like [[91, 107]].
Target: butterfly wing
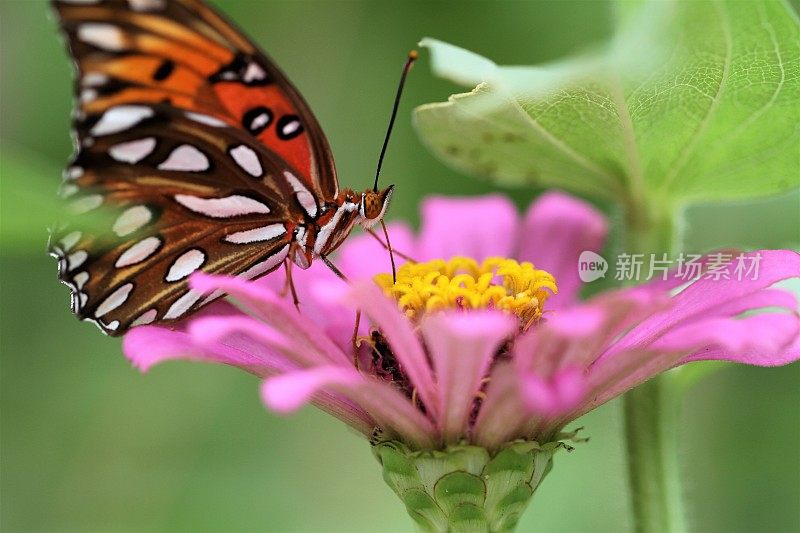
[[188, 136], [186, 192], [183, 53]]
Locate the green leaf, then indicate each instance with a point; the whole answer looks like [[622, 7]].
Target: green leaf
[[689, 101]]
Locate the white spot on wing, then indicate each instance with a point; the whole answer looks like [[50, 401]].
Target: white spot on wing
[[70, 240], [229, 206], [205, 119], [121, 118], [290, 127], [86, 204], [260, 121], [67, 190], [88, 95], [105, 36], [147, 5], [131, 220], [74, 260], [73, 173], [263, 233], [80, 279], [138, 252], [254, 72], [182, 304], [187, 263], [185, 157], [266, 265], [246, 158], [133, 151], [304, 196], [145, 318], [78, 301], [94, 79], [114, 300]]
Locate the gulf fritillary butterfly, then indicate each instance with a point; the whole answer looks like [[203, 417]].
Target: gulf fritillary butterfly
[[207, 155]]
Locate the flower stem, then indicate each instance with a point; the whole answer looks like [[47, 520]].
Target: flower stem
[[651, 415], [651, 410]]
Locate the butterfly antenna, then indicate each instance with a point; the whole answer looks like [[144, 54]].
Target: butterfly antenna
[[412, 56]]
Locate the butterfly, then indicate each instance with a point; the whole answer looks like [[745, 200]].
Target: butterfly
[[203, 152]]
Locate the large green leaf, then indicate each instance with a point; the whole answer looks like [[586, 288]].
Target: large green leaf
[[692, 100]]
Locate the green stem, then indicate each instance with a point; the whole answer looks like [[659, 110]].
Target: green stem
[[651, 410], [651, 416]]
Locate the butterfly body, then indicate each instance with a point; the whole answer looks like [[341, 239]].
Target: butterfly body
[[203, 153]]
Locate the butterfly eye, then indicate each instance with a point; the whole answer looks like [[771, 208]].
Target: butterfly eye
[[374, 204], [371, 205]]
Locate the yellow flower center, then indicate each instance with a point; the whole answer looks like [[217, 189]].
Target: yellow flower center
[[462, 283]]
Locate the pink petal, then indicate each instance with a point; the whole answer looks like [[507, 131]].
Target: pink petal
[[761, 340], [611, 377], [555, 341], [390, 409], [274, 311], [575, 336], [288, 392], [395, 413], [578, 322], [146, 346], [337, 320], [766, 340], [675, 278], [462, 345], [700, 299], [764, 298], [557, 228], [405, 344], [502, 413], [319, 292], [555, 396], [474, 227], [252, 336], [362, 257]]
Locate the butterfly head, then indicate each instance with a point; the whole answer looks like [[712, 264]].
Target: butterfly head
[[373, 206]]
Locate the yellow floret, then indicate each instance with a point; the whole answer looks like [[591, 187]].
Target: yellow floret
[[462, 283]]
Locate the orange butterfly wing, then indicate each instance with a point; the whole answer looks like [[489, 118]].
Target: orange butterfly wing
[[183, 53]]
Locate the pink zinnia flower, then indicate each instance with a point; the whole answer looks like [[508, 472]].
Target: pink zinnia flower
[[479, 356]]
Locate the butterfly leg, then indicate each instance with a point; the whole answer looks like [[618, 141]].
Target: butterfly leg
[[386, 246], [289, 286], [333, 268]]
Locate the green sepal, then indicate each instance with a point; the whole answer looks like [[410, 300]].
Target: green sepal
[[464, 488]]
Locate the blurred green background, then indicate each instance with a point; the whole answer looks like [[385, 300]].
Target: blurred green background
[[89, 444]]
